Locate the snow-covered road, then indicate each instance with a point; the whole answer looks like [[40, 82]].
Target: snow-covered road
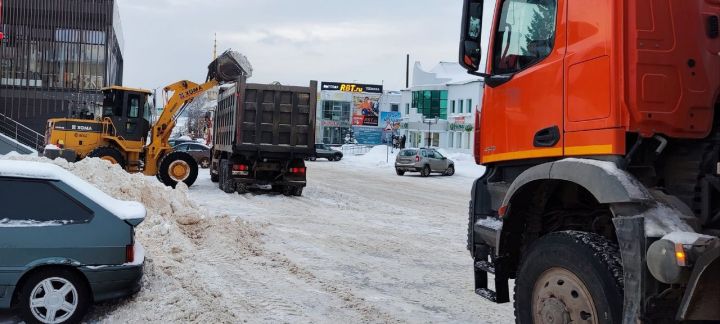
[[361, 245]]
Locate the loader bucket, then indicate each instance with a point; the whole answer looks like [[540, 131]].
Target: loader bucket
[[229, 67]]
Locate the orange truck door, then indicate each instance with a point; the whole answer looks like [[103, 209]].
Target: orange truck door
[[523, 106]]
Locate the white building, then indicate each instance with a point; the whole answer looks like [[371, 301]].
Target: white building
[[449, 94]]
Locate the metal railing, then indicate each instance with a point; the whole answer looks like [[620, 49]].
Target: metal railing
[[354, 149], [21, 133]]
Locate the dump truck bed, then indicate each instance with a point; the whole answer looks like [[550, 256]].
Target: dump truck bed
[[268, 121]]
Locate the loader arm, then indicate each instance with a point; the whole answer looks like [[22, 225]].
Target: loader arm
[[183, 93]]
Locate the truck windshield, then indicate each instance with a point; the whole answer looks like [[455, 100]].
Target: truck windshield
[[525, 34]]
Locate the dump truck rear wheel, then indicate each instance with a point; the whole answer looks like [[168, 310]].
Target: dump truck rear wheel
[[178, 167], [570, 277], [109, 154]]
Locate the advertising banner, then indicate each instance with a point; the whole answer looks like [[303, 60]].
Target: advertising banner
[[368, 135], [366, 110]]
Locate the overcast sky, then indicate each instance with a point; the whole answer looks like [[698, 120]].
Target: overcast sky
[[291, 41]]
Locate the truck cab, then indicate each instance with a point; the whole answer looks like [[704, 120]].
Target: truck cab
[[600, 129]]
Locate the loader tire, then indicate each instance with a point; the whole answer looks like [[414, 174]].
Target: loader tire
[[570, 277], [109, 154], [178, 167]]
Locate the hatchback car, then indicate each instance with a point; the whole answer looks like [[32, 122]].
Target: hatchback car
[[425, 161], [200, 152], [323, 151], [65, 244]]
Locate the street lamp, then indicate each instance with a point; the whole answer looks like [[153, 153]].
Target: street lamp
[[430, 122]]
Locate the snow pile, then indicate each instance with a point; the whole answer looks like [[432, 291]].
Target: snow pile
[[173, 234], [378, 156]]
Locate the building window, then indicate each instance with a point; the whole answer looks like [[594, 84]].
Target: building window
[[452, 106], [469, 106], [394, 107], [407, 109], [337, 111], [431, 103], [461, 106]]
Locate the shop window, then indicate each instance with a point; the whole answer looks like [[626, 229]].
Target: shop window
[[431, 103], [469, 106]]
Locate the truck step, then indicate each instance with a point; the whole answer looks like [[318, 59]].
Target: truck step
[[487, 294], [485, 266]]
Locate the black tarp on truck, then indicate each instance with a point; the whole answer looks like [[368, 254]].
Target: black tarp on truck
[[262, 134]]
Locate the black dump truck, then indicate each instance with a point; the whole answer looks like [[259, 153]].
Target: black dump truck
[[262, 135]]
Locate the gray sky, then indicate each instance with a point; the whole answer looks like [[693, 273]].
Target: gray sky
[[291, 41]]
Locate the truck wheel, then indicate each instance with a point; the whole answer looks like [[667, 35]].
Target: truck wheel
[[570, 277], [425, 172], [214, 177], [53, 296], [221, 178], [178, 167], [109, 154], [226, 182]]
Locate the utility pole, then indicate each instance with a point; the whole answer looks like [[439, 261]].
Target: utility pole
[[215, 48], [430, 122]]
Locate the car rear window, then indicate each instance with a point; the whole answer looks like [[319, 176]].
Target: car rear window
[[39, 201], [408, 153]]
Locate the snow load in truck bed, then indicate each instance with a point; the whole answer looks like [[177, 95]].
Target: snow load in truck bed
[[125, 210]]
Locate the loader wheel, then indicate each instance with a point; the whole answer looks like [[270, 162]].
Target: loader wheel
[[570, 277], [109, 154], [178, 167]]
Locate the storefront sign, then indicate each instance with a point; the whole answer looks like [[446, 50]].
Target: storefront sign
[[351, 87], [335, 123]]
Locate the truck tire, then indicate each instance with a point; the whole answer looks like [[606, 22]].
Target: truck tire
[[109, 154], [570, 277], [68, 301], [178, 167], [298, 191], [214, 177], [226, 182], [221, 178]]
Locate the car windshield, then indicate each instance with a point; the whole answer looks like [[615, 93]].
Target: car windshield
[[408, 153]]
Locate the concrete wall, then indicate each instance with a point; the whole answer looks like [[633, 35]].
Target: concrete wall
[[8, 145]]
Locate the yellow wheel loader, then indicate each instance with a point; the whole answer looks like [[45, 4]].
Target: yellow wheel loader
[[124, 133]]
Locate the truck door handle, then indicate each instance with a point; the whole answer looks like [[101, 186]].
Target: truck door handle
[[547, 137]]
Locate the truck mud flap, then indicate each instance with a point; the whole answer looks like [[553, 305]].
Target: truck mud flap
[[702, 295]]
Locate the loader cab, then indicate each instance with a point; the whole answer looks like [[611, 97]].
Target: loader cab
[[130, 111]]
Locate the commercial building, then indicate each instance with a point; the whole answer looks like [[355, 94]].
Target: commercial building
[[355, 113], [439, 108], [55, 57]]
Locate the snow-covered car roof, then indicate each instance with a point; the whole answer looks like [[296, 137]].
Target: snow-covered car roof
[[125, 210]]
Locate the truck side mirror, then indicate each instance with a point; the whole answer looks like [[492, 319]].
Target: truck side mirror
[[470, 37]]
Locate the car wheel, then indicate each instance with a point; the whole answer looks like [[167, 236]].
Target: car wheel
[[53, 296], [425, 171], [205, 163], [298, 191], [450, 171], [313, 158], [338, 157], [572, 277], [400, 172]]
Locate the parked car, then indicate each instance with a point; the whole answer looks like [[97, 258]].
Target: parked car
[[425, 161], [177, 141], [200, 152], [75, 247], [323, 151]]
